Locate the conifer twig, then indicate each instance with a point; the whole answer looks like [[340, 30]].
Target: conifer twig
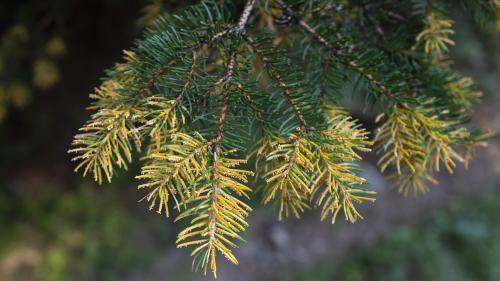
[[155, 77], [188, 81], [339, 53], [276, 76], [228, 77], [245, 15]]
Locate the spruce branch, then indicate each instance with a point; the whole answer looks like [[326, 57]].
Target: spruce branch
[[439, 137], [218, 222], [336, 184], [170, 114], [224, 214], [205, 91], [105, 140], [173, 170]]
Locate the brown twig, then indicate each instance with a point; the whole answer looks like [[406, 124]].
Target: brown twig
[[276, 76], [157, 75], [188, 81]]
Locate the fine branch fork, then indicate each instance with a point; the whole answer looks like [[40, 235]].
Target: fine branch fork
[[229, 99]]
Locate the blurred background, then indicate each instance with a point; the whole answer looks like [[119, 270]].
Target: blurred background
[[57, 226]]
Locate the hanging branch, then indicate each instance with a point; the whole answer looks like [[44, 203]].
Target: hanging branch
[[200, 89], [222, 216]]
